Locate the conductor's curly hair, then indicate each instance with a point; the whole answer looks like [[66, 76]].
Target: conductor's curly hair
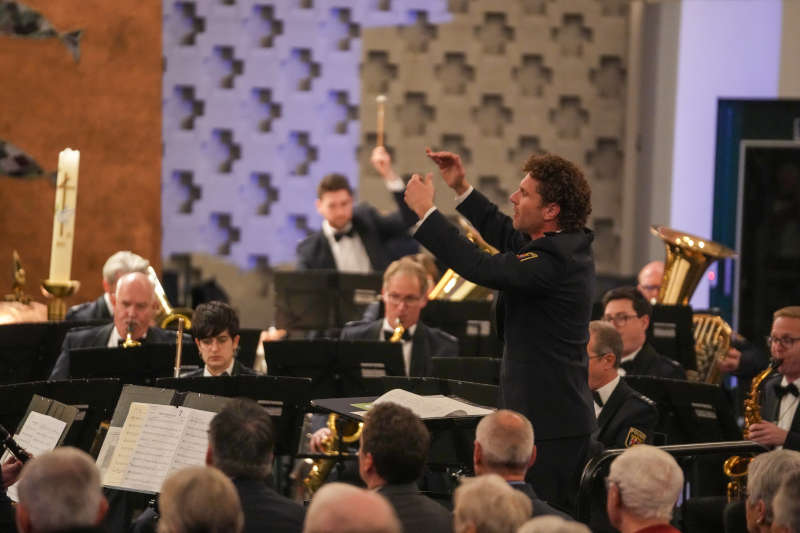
[[563, 183]]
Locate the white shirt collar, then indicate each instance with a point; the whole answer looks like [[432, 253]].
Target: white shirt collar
[[229, 370], [607, 390], [329, 231]]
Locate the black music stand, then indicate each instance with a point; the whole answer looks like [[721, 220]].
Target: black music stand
[[138, 365], [468, 320], [670, 333], [248, 344], [475, 369]]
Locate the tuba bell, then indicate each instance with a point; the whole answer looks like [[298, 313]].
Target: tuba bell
[[451, 286]]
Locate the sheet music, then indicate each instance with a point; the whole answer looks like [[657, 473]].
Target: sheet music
[[194, 439], [39, 434], [126, 444], [152, 456], [432, 406], [107, 449]]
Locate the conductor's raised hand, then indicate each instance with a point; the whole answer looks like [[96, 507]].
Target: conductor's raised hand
[[419, 193], [451, 168]]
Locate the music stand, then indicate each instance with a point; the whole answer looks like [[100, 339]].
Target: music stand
[[475, 369], [355, 293], [137, 365], [248, 344], [468, 320], [670, 333]]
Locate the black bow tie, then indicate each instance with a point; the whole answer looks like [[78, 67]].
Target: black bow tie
[[597, 399], [340, 234], [782, 391], [388, 335]]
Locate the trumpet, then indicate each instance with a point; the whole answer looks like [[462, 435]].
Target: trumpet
[[397, 334], [129, 341]]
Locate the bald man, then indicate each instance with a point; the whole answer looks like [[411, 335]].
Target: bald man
[[338, 507], [650, 277], [134, 309]]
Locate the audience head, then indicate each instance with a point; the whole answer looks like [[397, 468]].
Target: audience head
[[554, 194], [394, 446], [552, 524], [241, 439], [488, 504], [335, 200], [604, 351], [134, 304], [119, 264], [786, 326], [60, 490], [644, 483], [342, 508], [216, 332], [405, 289], [786, 505], [629, 312], [504, 445], [199, 499], [764, 475], [650, 278]]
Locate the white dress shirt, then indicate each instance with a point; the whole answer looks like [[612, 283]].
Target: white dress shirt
[[349, 253], [229, 370], [605, 393], [787, 407]]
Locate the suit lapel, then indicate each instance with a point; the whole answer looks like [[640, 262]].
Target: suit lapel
[[371, 245], [326, 252], [611, 406], [103, 335]]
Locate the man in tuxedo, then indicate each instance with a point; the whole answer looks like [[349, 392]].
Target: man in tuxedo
[[781, 423], [134, 308], [404, 294], [394, 446], [357, 239], [629, 311], [504, 445], [119, 264], [624, 417], [216, 333]]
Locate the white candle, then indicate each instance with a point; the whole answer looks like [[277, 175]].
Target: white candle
[[64, 215]]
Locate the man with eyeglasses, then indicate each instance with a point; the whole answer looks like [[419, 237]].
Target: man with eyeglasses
[[628, 310], [781, 425], [404, 294]]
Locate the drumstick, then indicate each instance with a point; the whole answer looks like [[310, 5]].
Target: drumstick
[[380, 100]]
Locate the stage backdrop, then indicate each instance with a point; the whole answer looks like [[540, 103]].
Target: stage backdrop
[[107, 104]]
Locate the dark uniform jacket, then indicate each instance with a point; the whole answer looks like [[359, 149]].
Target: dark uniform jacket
[[627, 418], [546, 293], [94, 310], [416, 511], [770, 406], [375, 230], [648, 362], [238, 370], [97, 337], [540, 507], [427, 342]]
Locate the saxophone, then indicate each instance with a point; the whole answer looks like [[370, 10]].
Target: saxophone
[[735, 467], [320, 468], [397, 334]]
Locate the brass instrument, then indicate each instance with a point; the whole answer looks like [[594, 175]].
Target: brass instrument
[[735, 467], [452, 286], [350, 433], [168, 313], [712, 340], [129, 341], [178, 348], [18, 283], [397, 334]]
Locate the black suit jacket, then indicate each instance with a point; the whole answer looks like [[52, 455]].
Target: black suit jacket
[[375, 230], [238, 370], [416, 511], [648, 362], [427, 342], [626, 414], [546, 293], [97, 337], [770, 405], [94, 310], [540, 507]]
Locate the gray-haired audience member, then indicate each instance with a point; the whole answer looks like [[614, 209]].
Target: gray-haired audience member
[[644, 483], [487, 504], [199, 499], [764, 475], [119, 264], [504, 445], [552, 524], [342, 508], [786, 505], [60, 491]]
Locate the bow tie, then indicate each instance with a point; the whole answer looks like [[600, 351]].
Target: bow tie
[[782, 391], [597, 399], [388, 335], [340, 234]]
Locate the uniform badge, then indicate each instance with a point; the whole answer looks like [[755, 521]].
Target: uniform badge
[[527, 255], [635, 437]]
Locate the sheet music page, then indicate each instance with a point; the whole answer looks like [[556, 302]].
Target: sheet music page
[[193, 444], [126, 444], [152, 456], [107, 449], [38, 435], [431, 406]]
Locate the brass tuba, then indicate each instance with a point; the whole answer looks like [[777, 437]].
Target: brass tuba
[[687, 258], [168, 313], [452, 286]]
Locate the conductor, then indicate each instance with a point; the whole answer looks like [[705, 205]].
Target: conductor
[[545, 275]]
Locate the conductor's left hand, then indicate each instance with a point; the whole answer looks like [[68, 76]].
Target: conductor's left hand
[[419, 194]]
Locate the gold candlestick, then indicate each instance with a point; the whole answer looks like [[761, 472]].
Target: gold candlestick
[[57, 290]]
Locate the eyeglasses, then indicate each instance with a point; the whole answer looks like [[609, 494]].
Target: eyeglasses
[[396, 299], [784, 342], [599, 356], [651, 287], [618, 320]]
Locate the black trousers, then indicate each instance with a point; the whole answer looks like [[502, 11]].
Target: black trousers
[[557, 471]]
